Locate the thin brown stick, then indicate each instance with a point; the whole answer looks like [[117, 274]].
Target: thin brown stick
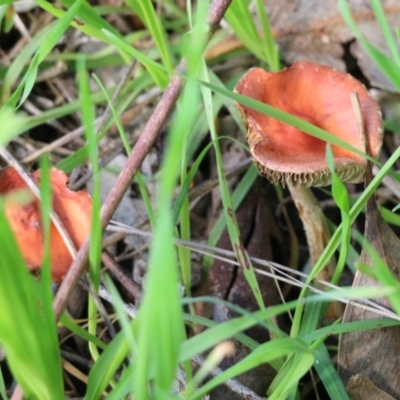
[[142, 147], [126, 281]]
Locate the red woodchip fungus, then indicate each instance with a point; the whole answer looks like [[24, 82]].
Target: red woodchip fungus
[[72, 208], [321, 96], [283, 153]]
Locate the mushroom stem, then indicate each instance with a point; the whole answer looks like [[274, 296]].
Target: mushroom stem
[[315, 227]]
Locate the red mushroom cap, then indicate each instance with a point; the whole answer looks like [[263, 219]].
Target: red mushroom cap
[[321, 96], [72, 208]]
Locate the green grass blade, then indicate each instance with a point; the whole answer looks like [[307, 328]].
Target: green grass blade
[[335, 240], [385, 64], [270, 47], [15, 70], [161, 308], [328, 374], [146, 12], [106, 366], [45, 208], [155, 69], [264, 353], [28, 335], [337, 329], [80, 156], [237, 197], [160, 353], [95, 26], [127, 146], [15, 123], [298, 365], [95, 246], [83, 333], [88, 122], [242, 22], [45, 48], [233, 229], [385, 28], [187, 181], [89, 21], [341, 198]]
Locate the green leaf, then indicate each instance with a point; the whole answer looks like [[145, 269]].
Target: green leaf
[[263, 354], [45, 48], [32, 351], [146, 12], [13, 125]]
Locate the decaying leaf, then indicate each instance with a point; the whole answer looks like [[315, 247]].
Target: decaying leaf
[[314, 30], [361, 388], [374, 353], [257, 225]]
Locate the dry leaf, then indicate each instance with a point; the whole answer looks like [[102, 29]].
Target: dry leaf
[[256, 224], [373, 353], [315, 30], [361, 388]]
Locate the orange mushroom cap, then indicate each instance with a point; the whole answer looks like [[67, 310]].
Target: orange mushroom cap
[[72, 208], [321, 96]]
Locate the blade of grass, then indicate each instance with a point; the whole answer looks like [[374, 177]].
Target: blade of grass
[[328, 374], [335, 240], [26, 331], [13, 73], [237, 197], [125, 325], [383, 273], [233, 229], [105, 367], [384, 63], [143, 190], [183, 210], [242, 22], [341, 198], [134, 86], [271, 49], [15, 123], [45, 48], [83, 333], [264, 353], [337, 329], [155, 69], [95, 26], [92, 22], [158, 355], [95, 229], [45, 208], [385, 28], [73, 161], [147, 14]]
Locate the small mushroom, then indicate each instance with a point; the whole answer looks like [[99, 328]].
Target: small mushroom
[[72, 208], [283, 153]]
